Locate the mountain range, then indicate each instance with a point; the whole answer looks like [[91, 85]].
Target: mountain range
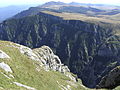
[[85, 37], [10, 11]]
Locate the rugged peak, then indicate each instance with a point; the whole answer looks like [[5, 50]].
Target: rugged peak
[[53, 3]]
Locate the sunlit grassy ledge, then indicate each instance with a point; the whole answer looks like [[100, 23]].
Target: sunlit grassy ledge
[[30, 73]]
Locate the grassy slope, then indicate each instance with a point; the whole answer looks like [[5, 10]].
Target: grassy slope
[[77, 16], [24, 71]]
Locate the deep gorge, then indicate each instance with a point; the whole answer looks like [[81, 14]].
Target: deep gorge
[[90, 50]]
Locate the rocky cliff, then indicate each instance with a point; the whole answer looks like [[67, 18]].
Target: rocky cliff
[[89, 49], [22, 68], [111, 80]]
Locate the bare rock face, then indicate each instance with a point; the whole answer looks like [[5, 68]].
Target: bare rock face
[[111, 80], [3, 55], [5, 67], [45, 55], [27, 51], [25, 86], [50, 60]]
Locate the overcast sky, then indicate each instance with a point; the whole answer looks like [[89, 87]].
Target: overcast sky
[[38, 2]]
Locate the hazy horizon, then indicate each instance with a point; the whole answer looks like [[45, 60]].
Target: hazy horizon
[[5, 3]]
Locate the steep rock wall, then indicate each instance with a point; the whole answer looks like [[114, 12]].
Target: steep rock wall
[[90, 50]]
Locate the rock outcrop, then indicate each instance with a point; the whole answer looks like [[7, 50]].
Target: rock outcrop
[[111, 80], [5, 67], [3, 55], [27, 51], [25, 86], [50, 60], [47, 59], [34, 69]]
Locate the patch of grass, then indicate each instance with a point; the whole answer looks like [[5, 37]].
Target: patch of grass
[[83, 17], [24, 72]]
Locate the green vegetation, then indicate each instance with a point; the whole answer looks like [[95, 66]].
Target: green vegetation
[[86, 39], [79, 44], [24, 71], [83, 17]]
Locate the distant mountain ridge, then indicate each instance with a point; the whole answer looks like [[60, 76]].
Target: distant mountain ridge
[[93, 10], [54, 3], [76, 3], [10, 11], [86, 41], [88, 9]]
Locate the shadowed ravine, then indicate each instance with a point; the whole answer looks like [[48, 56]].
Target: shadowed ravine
[[90, 50]]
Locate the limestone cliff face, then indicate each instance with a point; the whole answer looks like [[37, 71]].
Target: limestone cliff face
[[51, 61], [48, 60], [90, 50], [23, 68], [111, 80]]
